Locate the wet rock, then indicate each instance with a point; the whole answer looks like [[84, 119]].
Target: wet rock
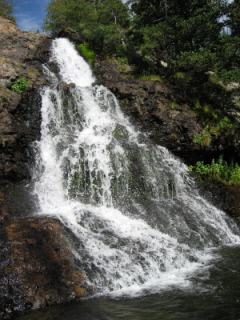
[[21, 56], [158, 110], [66, 86], [37, 266], [225, 197], [155, 108]]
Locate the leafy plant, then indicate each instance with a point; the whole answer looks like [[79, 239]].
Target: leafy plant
[[20, 85], [203, 139], [220, 170], [86, 52], [226, 123]]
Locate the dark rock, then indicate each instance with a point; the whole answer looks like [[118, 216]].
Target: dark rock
[[158, 110], [154, 107], [225, 197], [37, 266], [66, 86], [21, 56]]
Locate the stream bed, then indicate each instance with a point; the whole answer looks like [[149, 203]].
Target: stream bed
[[214, 294]]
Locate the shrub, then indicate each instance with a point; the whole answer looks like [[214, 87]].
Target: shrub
[[220, 170], [204, 139], [87, 53], [20, 85]]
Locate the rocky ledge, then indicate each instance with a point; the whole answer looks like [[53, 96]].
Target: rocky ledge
[[160, 111], [21, 57], [37, 267]]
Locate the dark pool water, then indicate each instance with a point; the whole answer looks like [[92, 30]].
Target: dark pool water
[[214, 295]]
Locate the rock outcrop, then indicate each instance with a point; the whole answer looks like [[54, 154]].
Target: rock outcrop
[[157, 109], [162, 113], [37, 267], [21, 57]]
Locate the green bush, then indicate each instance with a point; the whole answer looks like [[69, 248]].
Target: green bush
[[87, 53], [220, 170], [204, 139], [20, 85]]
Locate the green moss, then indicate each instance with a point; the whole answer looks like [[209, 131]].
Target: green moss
[[152, 77], [205, 112], [3, 142], [119, 133], [173, 105]]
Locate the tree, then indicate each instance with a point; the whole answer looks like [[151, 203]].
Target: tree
[[77, 15], [234, 18], [101, 23], [188, 35], [182, 25], [6, 9]]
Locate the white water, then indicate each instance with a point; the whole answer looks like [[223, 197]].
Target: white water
[[137, 218]]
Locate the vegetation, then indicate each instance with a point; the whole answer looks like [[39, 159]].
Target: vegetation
[[193, 45], [88, 54], [183, 42], [20, 85], [6, 9], [100, 23], [220, 170]]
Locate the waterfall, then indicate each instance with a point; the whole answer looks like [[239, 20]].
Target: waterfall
[[137, 218]]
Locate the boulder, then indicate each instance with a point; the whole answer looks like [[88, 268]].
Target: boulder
[[37, 266]]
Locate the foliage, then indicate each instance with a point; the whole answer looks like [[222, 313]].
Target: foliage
[[220, 170], [88, 54], [183, 42], [204, 139], [20, 85], [6, 10], [101, 23], [217, 127], [192, 38]]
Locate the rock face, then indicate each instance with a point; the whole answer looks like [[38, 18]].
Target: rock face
[[37, 267], [21, 56], [161, 112]]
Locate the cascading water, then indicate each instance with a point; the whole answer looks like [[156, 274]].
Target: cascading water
[[136, 214]]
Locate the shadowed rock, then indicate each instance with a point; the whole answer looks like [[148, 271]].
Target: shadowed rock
[[37, 266]]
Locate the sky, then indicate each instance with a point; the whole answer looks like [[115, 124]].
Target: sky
[[29, 14]]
